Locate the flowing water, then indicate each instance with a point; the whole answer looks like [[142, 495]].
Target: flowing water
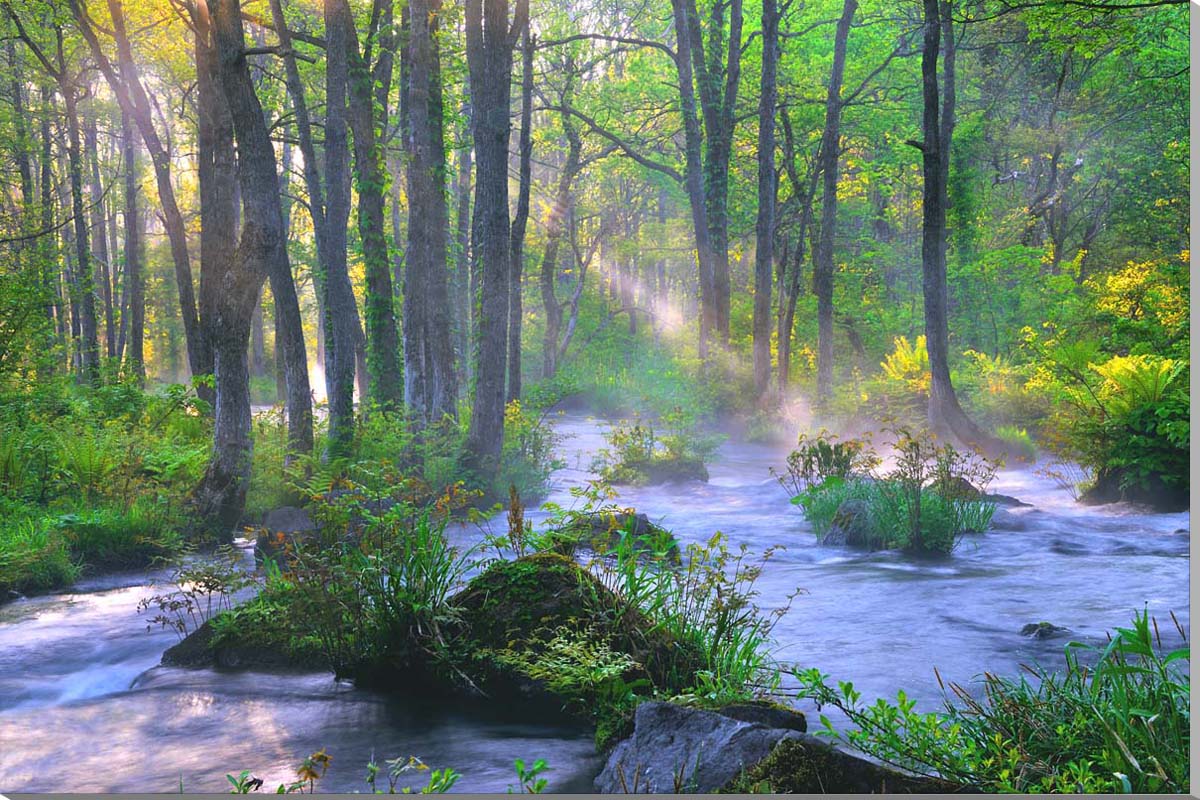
[[84, 706]]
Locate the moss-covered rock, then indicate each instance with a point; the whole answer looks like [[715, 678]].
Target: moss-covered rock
[[224, 642], [602, 531], [806, 765], [541, 631]]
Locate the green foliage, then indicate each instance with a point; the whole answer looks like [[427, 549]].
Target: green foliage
[[1018, 442], [384, 598], [637, 455], [527, 777], [707, 604], [924, 504], [33, 557], [1119, 725], [205, 588], [112, 538], [821, 457]]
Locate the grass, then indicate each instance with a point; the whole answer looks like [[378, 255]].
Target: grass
[[1118, 724]]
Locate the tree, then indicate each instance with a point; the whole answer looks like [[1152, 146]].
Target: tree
[[430, 382], [525, 151], [764, 226], [823, 261], [491, 39], [945, 413]]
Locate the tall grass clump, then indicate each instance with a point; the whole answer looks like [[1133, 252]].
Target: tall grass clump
[[706, 604], [924, 504], [1114, 719]]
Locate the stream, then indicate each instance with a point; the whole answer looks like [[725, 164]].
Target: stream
[[84, 706]]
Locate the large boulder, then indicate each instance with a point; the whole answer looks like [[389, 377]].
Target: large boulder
[[1152, 492], [513, 613], [676, 749]]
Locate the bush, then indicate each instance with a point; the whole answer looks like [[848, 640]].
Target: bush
[[112, 538], [637, 455], [33, 558], [1017, 442], [1122, 725], [923, 505]]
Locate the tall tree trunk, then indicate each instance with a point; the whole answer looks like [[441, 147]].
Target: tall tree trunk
[[135, 284], [823, 261], [717, 104], [99, 232], [229, 285], [341, 337], [764, 226], [490, 43], [85, 289], [555, 229], [428, 348], [48, 244], [463, 305], [386, 384], [694, 172], [521, 219], [131, 95], [945, 413]]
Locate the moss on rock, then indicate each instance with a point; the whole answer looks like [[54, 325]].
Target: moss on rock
[[806, 765]]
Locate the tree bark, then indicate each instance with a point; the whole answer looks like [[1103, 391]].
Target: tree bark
[[229, 285], [945, 413], [431, 384], [521, 219], [764, 227], [694, 171], [823, 262], [555, 229], [490, 43], [341, 338], [385, 373], [135, 283], [463, 305]]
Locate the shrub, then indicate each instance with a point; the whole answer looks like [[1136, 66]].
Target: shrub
[[112, 538], [1017, 442], [708, 606], [206, 587], [923, 505], [1121, 725], [637, 455], [33, 557]]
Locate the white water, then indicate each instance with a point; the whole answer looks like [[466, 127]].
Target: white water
[[83, 706]]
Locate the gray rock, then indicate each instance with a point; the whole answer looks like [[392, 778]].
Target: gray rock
[[770, 714], [851, 525], [675, 749], [1003, 520], [281, 528], [1044, 630]]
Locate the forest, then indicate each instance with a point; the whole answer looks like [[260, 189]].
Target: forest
[[582, 394]]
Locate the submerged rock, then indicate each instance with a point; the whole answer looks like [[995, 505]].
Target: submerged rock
[[1043, 630], [1003, 520], [676, 749]]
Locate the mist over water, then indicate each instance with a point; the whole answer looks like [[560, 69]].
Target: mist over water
[[84, 706]]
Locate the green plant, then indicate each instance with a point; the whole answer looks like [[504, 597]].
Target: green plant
[[34, 556], [820, 457], [637, 455], [206, 587], [1017, 442], [1121, 724], [527, 777], [708, 605]]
